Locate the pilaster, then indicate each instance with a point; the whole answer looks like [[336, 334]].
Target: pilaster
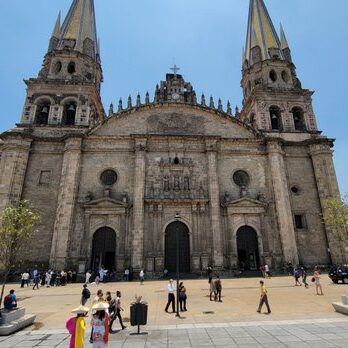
[[215, 214], [138, 210], [282, 201], [68, 189]]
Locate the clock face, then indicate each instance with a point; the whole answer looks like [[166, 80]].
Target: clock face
[[175, 96]]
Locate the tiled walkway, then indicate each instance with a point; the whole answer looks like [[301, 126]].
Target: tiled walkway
[[291, 333]]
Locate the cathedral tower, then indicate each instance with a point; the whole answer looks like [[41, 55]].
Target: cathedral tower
[[273, 97], [67, 90]]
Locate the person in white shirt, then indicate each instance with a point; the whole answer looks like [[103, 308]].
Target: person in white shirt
[[25, 279], [88, 276], [267, 272], [141, 276], [171, 295]]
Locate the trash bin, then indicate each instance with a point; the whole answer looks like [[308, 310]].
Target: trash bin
[[138, 315]]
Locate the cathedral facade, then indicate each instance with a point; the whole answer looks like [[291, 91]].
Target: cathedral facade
[[233, 188]]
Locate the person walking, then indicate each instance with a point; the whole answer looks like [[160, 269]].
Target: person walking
[[218, 287], [171, 296], [304, 278], [86, 294], [263, 298], [262, 270], [267, 272], [210, 274], [88, 277], [36, 280], [212, 289], [126, 275], [99, 297], [100, 325], [117, 313], [297, 276], [182, 297], [142, 277], [76, 327], [316, 279]]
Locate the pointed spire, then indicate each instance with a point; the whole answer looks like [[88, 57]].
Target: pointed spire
[[138, 100], [203, 103], [147, 98], [229, 110], [236, 112], [56, 30], [55, 35], [120, 107], [129, 105], [284, 44], [220, 105], [211, 103], [261, 33], [79, 30], [111, 109]]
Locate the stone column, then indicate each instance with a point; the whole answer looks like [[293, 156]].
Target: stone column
[[326, 179], [282, 201], [13, 166], [68, 190], [138, 209], [215, 215]]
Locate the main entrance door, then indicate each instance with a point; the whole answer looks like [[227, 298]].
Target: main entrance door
[[104, 248], [248, 248], [177, 232]]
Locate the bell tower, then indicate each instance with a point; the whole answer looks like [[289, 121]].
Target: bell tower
[[66, 92], [273, 98]]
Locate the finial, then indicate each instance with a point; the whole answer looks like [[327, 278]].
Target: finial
[[194, 98], [129, 106], [138, 100], [111, 109], [147, 98], [120, 107], [203, 103], [175, 69], [236, 111], [211, 103], [229, 110], [220, 105]]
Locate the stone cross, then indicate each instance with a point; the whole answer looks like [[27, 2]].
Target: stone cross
[[175, 69]]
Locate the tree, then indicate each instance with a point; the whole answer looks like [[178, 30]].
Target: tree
[[17, 225], [336, 216]]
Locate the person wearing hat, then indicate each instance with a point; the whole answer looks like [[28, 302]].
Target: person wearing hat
[[100, 325], [77, 327]]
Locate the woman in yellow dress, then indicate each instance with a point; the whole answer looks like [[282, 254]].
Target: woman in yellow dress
[[77, 327]]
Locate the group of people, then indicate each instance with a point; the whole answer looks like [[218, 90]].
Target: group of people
[[171, 289]]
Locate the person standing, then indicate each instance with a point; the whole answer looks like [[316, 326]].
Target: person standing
[[100, 325], [126, 275], [36, 280], [171, 296], [297, 276], [304, 278], [316, 277], [267, 272], [88, 277], [117, 311], [210, 274], [101, 274], [263, 298], [86, 294], [182, 297], [212, 289], [77, 327], [142, 277], [262, 270], [218, 287], [99, 297]]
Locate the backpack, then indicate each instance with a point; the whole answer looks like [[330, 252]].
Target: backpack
[[86, 293], [8, 300]]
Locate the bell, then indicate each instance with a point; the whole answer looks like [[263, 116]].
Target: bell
[[71, 107], [44, 110]]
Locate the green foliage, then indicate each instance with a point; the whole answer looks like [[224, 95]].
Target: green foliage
[[17, 224], [336, 215]]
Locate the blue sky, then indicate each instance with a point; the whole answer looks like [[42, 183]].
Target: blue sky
[[141, 39]]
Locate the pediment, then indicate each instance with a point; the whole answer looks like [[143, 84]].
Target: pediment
[[174, 119], [105, 203], [246, 205]]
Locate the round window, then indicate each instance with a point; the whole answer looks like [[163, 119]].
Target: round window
[[241, 178], [108, 177], [273, 75], [295, 190]]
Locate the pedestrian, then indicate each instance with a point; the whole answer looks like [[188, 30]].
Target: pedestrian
[[212, 289], [36, 280], [10, 301], [99, 297], [182, 297], [86, 294], [142, 277], [126, 275], [165, 273], [25, 279], [77, 327], [171, 295], [263, 298], [118, 310], [267, 272], [304, 278], [218, 287], [88, 276], [210, 274], [262, 270], [48, 279], [297, 275], [100, 325], [316, 281], [101, 274]]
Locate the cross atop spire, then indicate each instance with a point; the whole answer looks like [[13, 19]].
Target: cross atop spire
[[175, 69]]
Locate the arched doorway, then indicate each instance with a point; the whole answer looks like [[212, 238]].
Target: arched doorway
[[179, 229], [104, 248], [248, 249]]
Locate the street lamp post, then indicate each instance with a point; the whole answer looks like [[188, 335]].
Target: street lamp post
[[177, 217]]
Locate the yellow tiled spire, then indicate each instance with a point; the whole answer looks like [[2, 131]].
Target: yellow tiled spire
[[79, 25], [261, 31]]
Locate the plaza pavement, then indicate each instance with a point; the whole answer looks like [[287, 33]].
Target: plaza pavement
[[299, 317]]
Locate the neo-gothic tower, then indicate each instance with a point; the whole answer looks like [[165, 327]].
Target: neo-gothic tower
[[67, 90], [274, 100]]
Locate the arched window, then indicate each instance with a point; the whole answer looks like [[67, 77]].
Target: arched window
[[71, 68], [69, 114], [275, 115], [298, 119], [42, 113]]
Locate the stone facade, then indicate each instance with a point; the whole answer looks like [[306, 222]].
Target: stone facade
[[232, 180]]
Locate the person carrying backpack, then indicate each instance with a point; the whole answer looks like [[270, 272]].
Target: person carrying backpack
[[86, 294], [10, 301]]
